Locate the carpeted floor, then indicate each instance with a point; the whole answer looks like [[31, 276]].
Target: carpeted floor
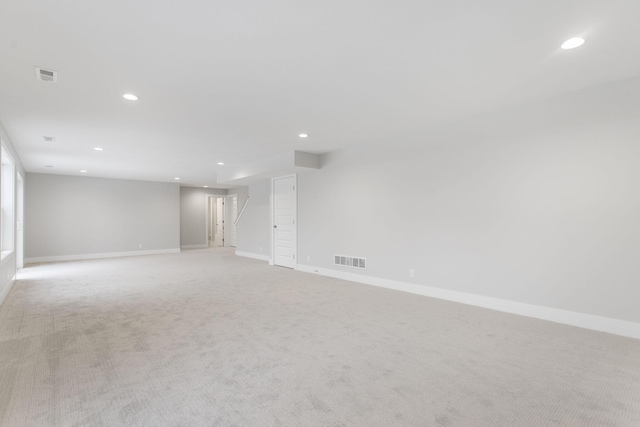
[[205, 338]]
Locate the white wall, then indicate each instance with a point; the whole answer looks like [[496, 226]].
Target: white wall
[[537, 204], [242, 192], [193, 215], [70, 217], [8, 264]]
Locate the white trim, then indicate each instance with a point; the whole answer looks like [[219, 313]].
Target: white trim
[[7, 289], [97, 256], [261, 257], [200, 246], [6, 254], [581, 320]]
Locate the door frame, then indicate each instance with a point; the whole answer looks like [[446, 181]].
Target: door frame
[[295, 218], [209, 215], [19, 221]]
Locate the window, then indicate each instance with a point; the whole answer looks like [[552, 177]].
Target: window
[[8, 202]]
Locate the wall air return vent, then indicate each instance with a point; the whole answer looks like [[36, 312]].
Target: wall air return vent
[[46, 75], [49, 138], [349, 261]]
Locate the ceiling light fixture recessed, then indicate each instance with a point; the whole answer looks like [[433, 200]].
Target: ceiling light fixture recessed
[[99, 149], [176, 178], [572, 43], [303, 135], [205, 186], [221, 163], [83, 170], [130, 97]]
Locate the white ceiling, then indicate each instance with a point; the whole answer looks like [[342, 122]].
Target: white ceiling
[[236, 81]]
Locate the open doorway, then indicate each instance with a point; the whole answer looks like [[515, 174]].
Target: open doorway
[[221, 214]]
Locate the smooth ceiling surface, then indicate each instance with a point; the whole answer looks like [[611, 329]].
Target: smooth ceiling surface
[[236, 81]]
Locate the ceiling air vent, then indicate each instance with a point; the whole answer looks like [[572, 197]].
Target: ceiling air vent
[[349, 261], [46, 75], [49, 138]]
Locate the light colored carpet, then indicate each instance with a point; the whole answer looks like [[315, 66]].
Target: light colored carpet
[[205, 338]]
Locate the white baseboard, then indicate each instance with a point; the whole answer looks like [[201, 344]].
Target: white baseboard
[[7, 289], [261, 257], [201, 246], [100, 255], [581, 320]]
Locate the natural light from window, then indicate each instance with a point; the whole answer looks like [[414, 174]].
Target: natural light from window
[[8, 203]]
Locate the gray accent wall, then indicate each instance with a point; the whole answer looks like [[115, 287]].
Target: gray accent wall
[[77, 216], [193, 215], [537, 204]]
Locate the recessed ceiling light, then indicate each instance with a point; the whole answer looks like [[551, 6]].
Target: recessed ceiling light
[[99, 149], [303, 135], [205, 186], [221, 163], [572, 43], [176, 178], [130, 97], [83, 170]]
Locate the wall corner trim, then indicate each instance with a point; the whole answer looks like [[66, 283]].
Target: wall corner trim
[[99, 255], [261, 257], [581, 320]]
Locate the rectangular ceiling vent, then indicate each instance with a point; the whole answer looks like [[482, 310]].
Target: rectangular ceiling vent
[[49, 138], [46, 75], [349, 261]]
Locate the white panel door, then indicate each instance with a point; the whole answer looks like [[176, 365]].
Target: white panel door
[[284, 221], [219, 239]]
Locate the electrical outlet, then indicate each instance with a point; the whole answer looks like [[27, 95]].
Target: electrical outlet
[[412, 272]]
